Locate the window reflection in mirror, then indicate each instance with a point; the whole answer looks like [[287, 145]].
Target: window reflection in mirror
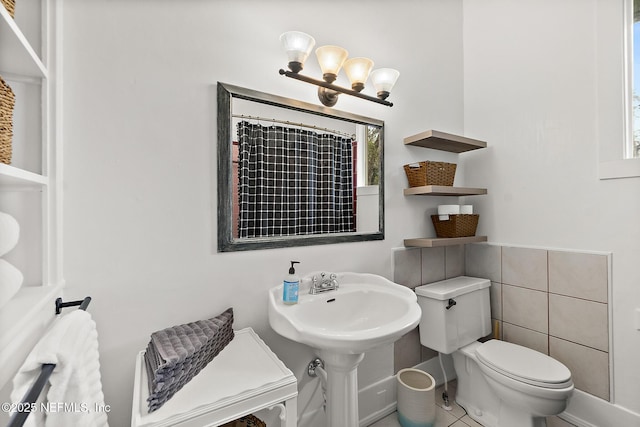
[[292, 173], [634, 150]]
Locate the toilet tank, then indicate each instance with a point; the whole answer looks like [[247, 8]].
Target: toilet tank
[[455, 312]]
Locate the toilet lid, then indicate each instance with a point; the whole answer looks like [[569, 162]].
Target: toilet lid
[[523, 364]]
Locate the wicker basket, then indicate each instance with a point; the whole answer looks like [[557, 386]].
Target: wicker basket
[[430, 173], [456, 225], [10, 5], [246, 421], [7, 102]]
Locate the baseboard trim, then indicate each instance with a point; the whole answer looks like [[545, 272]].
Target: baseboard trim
[[377, 400], [378, 415], [586, 410], [432, 367]]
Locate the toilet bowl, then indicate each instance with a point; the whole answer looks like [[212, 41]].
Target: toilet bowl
[[500, 384], [522, 392]]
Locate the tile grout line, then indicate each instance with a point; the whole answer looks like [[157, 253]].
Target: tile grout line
[[548, 309]]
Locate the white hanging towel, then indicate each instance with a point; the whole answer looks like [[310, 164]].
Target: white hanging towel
[[10, 281], [9, 233], [73, 397]]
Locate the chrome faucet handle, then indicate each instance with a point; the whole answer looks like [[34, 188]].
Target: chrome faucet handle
[[323, 282], [314, 285]]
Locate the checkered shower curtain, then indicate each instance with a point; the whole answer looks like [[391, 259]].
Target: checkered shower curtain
[[293, 181]]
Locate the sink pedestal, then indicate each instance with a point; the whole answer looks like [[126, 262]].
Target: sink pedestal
[[342, 387]]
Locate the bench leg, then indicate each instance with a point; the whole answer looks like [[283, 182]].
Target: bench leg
[[291, 413]]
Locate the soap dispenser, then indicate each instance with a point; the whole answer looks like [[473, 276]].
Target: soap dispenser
[[291, 286]]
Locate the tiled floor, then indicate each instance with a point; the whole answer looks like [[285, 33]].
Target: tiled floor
[[457, 416]]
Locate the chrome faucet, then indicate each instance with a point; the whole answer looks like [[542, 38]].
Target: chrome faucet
[[328, 282]]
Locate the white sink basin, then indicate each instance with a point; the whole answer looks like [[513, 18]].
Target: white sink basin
[[365, 312]]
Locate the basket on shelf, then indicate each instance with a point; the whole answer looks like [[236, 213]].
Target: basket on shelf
[[7, 102], [430, 173], [463, 225], [10, 5]]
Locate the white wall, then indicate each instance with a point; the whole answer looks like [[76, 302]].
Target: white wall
[[531, 88], [139, 150]]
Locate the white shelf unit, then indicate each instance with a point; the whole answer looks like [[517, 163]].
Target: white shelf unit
[[30, 185], [17, 55], [443, 141]]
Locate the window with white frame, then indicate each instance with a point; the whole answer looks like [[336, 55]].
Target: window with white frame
[[618, 105]]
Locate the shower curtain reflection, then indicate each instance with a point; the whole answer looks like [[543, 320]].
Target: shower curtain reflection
[[294, 181]]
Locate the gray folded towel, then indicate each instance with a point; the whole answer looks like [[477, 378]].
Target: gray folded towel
[[175, 355]]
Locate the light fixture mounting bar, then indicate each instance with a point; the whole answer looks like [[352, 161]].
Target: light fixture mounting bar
[[324, 84]]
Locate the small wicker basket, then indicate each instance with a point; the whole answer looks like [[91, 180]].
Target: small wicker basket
[[246, 421], [10, 5], [456, 226], [7, 102], [430, 173]]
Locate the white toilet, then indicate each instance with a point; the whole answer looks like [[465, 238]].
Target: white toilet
[[500, 384]]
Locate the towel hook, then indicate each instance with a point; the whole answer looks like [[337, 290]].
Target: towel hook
[[84, 303]]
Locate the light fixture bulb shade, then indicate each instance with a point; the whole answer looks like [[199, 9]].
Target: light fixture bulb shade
[[384, 79], [297, 45], [331, 59], [358, 70]]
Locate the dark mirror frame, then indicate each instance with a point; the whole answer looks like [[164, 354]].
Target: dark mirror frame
[[226, 242]]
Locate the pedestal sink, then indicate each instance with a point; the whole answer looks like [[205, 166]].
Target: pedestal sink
[[366, 311]]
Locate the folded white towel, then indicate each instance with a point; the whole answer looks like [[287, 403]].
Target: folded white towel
[[74, 396], [9, 233], [10, 281]]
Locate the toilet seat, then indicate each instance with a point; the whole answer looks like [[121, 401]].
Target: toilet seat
[[523, 364]]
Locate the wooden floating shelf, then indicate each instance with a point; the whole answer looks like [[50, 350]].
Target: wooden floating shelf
[[441, 190], [444, 141], [437, 242]]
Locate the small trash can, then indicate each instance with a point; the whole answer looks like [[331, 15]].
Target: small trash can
[[416, 398]]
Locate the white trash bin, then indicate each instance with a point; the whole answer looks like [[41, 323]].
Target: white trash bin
[[416, 398]]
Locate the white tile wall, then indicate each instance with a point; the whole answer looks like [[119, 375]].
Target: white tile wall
[[406, 266], [454, 261], [496, 300], [589, 367], [433, 265], [484, 261], [578, 275], [581, 321], [525, 307], [525, 267], [525, 337]]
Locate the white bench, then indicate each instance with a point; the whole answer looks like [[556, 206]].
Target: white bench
[[244, 378]]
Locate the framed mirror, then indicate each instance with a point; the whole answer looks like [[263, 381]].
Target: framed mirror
[[292, 173]]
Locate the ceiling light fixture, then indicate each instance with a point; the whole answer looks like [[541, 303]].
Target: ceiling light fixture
[[298, 46]]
